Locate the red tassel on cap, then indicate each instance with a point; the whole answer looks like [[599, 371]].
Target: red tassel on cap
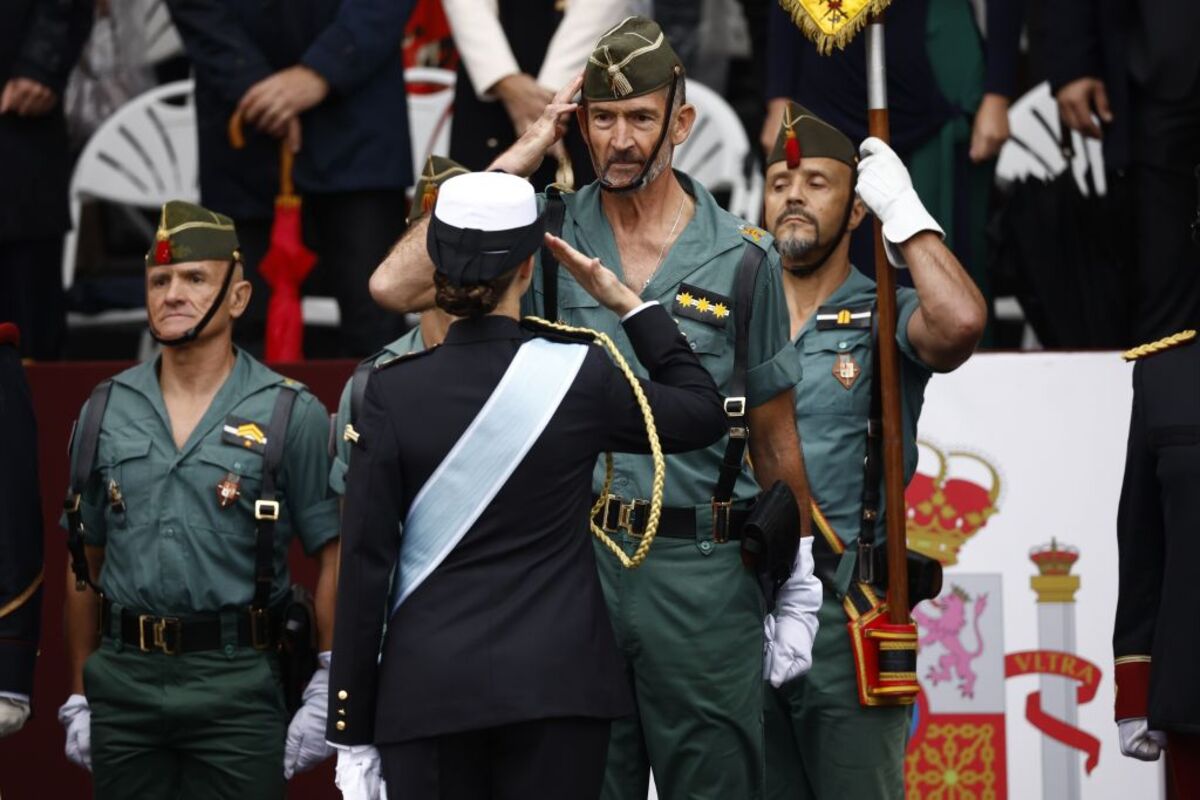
[[791, 149], [162, 251], [429, 197]]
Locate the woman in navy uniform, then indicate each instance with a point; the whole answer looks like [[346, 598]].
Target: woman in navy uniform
[[500, 672]]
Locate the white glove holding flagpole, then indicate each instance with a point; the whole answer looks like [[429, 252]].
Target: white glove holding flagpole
[[885, 187], [789, 632], [76, 716], [359, 774], [306, 746], [1138, 741]]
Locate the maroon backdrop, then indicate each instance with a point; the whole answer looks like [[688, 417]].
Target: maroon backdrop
[[32, 764]]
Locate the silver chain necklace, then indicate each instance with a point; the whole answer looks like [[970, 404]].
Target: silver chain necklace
[[662, 251]]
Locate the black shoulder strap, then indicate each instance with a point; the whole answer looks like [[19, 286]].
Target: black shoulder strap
[[735, 403], [872, 467], [556, 210], [266, 508], [358, 387], [87, 433]]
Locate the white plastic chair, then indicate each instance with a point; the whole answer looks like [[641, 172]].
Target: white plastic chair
[[142, 156], [717, 153], [429, 118]]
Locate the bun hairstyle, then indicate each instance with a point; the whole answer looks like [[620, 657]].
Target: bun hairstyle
[[471, 299]]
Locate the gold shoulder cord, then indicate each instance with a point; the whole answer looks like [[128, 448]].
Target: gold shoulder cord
[[660, 468], [1166, 343]]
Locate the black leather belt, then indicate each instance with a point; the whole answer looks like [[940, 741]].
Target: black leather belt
[[631, 516], [174, 635]]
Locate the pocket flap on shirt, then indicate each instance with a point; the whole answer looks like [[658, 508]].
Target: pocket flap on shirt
[[839, 341], [126, 449], [229, 458]]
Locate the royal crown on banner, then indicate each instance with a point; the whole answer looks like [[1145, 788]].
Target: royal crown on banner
[[947, 508], [832, 23]]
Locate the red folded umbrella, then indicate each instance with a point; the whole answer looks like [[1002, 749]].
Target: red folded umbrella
[[286, 264]]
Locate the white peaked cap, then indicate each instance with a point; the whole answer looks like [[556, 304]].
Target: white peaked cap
[[486, 201]]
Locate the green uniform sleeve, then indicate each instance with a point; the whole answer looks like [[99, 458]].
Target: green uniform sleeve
[[91, 504], [341, 457], [773, 367], [305, 475]]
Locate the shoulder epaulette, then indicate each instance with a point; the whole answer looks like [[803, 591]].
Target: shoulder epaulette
[[391, 362], [294, 384], [1166, 343], [557, 331], [753, 235]]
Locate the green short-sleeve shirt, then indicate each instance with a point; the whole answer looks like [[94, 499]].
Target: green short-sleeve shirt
[[410, 342], [832, 416], [174, 548], [703, 264]]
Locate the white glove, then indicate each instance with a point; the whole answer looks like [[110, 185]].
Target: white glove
[[1138, 741], [13, 713], [790, 631], [359, 774], [885, 187], [306, 746], [76, 716]]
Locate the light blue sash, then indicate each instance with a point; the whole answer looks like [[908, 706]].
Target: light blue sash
[[480, 462]]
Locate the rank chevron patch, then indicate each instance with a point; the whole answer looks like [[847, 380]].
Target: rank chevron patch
[[243, 433]]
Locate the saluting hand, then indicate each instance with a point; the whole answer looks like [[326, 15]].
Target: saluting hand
[[526, 154], [595, 278]]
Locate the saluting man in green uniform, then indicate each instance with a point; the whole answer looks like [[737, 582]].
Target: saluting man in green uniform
[[430, 331], [821, 743], [690, 620], [176, 687]]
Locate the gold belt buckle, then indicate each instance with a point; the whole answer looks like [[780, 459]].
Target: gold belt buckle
[[158, 634], [625, 515], [720, 519]]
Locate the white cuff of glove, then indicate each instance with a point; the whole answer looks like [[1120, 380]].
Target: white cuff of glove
[[1138, 741], [359, 774], [76, 716], [13, 714], [885, 187], [305, 746], [790, 631]]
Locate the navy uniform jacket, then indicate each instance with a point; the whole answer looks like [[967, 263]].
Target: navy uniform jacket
[[20, 524], [356, 139], [512, 626], [1156, 640]]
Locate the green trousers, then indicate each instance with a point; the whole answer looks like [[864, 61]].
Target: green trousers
[[689, 621], [821, 743], [186, 727]]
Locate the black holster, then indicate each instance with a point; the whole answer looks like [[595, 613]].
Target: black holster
[[771, 539], [297, 646]]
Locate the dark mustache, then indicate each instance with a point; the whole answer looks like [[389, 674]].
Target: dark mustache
[[794, 210]]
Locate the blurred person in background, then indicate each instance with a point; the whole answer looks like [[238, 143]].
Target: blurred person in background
[[327, 77], [948, 96], [1129, 73], [515, 55], [39, 44]]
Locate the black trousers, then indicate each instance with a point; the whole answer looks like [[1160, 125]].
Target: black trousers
[[350, 232], [31, 294], [1166, 150], [553, 759]]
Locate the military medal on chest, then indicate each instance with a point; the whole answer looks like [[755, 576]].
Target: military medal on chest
[[229, 490], [116, 500], [846, 370]]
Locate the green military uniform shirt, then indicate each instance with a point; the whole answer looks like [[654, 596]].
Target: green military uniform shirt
[[410, 342], [705, 257], [174, 549], [832, 417]]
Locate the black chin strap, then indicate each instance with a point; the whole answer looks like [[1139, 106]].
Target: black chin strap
[[809, 269], [191, 335], [640, 180]]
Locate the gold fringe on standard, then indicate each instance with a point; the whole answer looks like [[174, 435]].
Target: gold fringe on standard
[[832, 23], [656, 454], [1166, 343]]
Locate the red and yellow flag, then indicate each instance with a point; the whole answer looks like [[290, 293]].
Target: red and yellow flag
[[832, 23]]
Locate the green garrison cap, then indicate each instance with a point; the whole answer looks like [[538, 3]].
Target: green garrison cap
[[437, 171], [803, 134], [187, 232], [630, 60]]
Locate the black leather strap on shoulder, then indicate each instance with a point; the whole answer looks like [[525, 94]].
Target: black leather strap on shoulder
[[556, 211], [358, 387], [266, 508], [735, 402], [87, 434]]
